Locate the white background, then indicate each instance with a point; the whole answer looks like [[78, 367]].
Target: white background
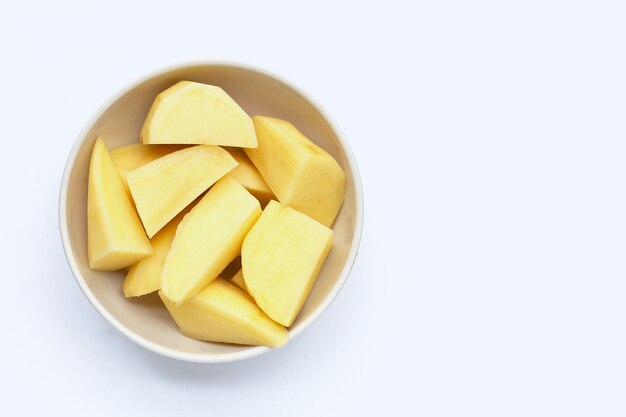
[[491, 141]]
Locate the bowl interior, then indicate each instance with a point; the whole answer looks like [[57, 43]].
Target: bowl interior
[[145, 319]]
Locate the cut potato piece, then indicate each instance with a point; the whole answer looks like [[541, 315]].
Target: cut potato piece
[[164, 187], [144, 277], [248, 176], [301, 174], [196, 113], [208, 239], [128, 158], [115, 237], [281, 258], [238, 280], [222, 312]]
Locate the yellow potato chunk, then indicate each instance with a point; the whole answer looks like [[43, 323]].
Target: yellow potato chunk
[[164, 187], [208, 239], [196, 113], [248, 176], [281, 258], [222, 312], [115, 237], [128, 158], [301, 174]]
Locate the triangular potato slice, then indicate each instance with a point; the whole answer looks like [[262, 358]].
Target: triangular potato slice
[[208, 239], [115, 237], [164, 187], [222, 312], [196, 113]]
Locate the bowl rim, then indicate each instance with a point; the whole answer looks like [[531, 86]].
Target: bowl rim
[[208, 357]]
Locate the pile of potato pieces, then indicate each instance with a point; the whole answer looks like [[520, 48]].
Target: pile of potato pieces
[[272, 197]]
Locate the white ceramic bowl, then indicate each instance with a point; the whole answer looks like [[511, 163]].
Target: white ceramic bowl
[[119, 120]]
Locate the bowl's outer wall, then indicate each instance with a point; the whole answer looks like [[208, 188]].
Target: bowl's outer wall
[[119, 122]]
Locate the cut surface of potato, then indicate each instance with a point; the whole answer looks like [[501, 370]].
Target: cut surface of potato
[[281, 258], [115, 237], [128, 158], [208, 239], [164, 187], [196, 113], [248, 176], [222, 312], [301, 174]]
